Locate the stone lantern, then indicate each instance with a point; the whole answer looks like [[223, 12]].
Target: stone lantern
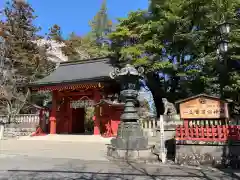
[[130, 140]]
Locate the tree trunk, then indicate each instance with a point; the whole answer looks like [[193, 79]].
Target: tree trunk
[[174, 86], [155, 86]]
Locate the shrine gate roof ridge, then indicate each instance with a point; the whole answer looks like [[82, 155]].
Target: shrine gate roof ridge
[[78, 71], [199, 95]]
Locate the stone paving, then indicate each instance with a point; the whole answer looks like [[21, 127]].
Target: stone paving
[[65, 160], [52, 149], [24, 167]]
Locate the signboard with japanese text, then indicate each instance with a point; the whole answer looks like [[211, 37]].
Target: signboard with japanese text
[[203, 108], [81, 104]]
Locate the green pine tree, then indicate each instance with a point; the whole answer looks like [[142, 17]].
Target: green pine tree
[[101, 24], [90, 45], [179, 39], [55, 33]]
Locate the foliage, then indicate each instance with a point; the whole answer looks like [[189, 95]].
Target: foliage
[[143, 108], [89, 123], [176, 41], [101, 25], [22, 61], [93, 44], [80, 48], [55, 33]]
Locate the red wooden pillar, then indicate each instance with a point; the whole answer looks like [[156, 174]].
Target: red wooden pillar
[[41, 118], [69, 115], [96, 117], [53, 124]]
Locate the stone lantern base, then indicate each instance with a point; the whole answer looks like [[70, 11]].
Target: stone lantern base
[[146, 155], [130, 144], [130, 136]]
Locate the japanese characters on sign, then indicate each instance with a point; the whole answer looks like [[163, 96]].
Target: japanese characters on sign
[[204, 111], [203, 108]]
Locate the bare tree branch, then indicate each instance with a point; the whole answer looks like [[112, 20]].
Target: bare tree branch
[[21, 60]]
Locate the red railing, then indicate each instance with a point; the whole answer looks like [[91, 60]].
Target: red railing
[[208, 133]]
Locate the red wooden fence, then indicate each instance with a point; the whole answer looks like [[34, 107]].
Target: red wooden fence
[[218, 133]]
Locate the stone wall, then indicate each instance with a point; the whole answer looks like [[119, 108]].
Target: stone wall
[[22, 125], [208, 154]]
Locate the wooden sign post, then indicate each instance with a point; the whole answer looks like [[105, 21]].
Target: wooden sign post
[[199, 112], [203, 107]]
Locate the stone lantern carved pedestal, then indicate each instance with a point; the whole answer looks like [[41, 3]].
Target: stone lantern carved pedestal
[[130, 143]]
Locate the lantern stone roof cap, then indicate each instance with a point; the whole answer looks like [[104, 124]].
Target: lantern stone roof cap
[[78, 71], [198, 96]]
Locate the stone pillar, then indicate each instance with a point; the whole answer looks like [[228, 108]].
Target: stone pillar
[[96, 117], [162, 140], [1, 131], [53, 124]]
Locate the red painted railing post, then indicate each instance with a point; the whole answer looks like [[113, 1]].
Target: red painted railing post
[[197, 131], [181, 132], [202, 132], [207, 132], [238, 133], [213, 130], [219, 133], [225, 132]]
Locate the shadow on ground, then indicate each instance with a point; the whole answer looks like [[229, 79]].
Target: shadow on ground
[[125, 171]]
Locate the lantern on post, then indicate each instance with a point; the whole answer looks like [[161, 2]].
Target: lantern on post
[[224, 29]]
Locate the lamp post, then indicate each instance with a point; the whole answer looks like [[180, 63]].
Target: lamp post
[[224, 30], [130, 134], [1, 73]]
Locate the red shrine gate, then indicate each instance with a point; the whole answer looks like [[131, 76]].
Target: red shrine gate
[[73, 84]]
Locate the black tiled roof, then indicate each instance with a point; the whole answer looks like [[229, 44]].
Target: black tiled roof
[[78, 71]]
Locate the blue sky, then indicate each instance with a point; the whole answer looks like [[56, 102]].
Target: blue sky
[[74, 15]]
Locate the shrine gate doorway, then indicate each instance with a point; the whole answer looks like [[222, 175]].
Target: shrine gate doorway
[[78, 121], [71, 111]]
